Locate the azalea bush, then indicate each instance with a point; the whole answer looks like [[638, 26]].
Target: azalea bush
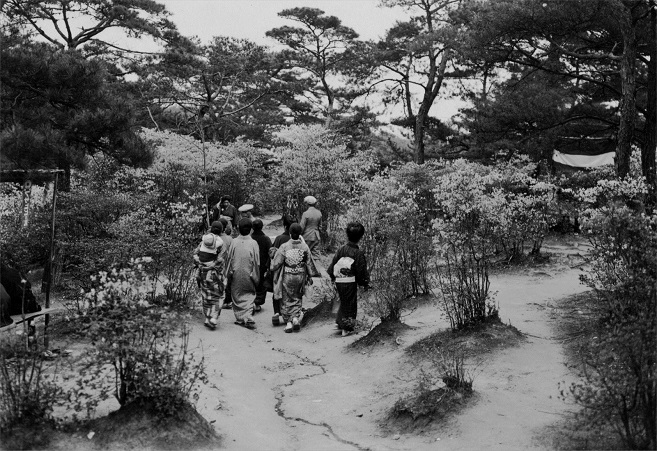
[[98, 230], [465, 243], [390, 291], [518, 208], [135, 332], [29, 387], [316, 161], [396, 236], [618, 377], [185, 169], [464, 250], [166, 235], [20, 245]]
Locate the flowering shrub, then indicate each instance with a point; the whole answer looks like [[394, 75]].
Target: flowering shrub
[[24, 246], [394, 226], [391, 290], [134, 330], [464, 251], [315, 161], [29, 390], [185, 167], [618, 377], [517, 209], [167, 235]]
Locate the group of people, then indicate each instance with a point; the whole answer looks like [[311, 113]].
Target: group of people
[[238, 264]]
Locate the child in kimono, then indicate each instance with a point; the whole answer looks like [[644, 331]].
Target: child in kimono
[[209, 260], [348, 270]]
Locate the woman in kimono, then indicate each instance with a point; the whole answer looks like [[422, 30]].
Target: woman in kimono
[[293, 269], [243, 273]]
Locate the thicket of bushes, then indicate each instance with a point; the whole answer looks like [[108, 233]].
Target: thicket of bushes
[[618, 384], [433, 228]]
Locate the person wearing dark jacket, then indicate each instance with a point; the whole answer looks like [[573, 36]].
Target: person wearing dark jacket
[[349, 270], [264, 244], [224, 209]]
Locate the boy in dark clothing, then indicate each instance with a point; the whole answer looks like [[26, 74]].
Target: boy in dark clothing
[[348, 270], [264, 244]]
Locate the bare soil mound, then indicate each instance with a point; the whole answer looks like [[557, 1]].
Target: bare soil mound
[[383, 333], [138, 426], [477, 340], [426, 408]]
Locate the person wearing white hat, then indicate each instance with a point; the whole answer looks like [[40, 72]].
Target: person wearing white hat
[[311, 221], [246, 211], [209, 260]]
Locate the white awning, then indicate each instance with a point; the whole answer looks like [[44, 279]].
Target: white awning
[[584, 161]]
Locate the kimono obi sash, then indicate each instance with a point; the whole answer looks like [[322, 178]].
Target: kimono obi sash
[[343, 272], [295, 261]]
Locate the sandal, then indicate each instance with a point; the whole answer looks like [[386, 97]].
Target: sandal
[[288, 328], [295, 325]]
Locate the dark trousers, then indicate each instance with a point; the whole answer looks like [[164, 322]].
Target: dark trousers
[[348, 293], [277, 306], [261, 292]]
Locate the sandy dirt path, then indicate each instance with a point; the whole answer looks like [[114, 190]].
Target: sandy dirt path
[[275, 391]]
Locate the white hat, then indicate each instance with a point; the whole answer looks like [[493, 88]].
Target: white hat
[[310, 200], [209, 244], [246, 207]]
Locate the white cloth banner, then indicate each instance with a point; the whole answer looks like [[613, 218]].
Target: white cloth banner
[[584, 161]]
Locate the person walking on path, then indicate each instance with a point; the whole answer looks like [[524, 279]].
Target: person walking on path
[[348, 269], [227, 239], [246, 211], [209, 259], [243, 274], [224, 209], [277, 296], [264, 244], [311, 220], [293, 268]]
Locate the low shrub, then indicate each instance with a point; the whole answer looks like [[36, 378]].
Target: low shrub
[[134, 331], [618, 376], [29, 389], [397, 237], [391, 289], [20, 245], [464, 251]]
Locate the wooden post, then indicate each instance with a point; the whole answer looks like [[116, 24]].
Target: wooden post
[[48, 271]]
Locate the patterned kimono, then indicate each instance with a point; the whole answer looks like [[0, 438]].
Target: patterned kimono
[[211, 282], [294, 261], [243, 273]]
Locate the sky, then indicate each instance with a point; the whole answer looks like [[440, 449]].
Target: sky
[[252, 18]]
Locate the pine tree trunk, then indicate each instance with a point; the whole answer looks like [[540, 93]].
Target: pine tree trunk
[[650, 139], [420, 121], [628, 100]]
